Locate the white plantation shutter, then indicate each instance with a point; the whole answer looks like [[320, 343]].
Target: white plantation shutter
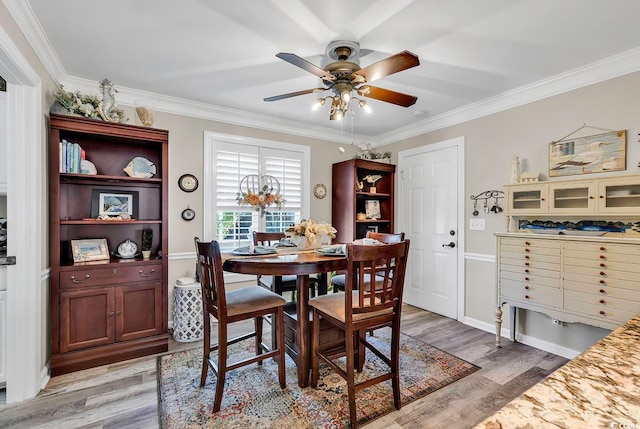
[[230, 162]]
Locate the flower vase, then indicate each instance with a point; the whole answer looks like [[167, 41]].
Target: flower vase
[[303, 244]]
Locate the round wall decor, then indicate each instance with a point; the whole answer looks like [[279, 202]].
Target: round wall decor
[[188, 214], [188, 182], [320, 190]]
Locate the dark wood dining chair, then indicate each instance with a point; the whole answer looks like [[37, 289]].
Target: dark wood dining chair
[[279, 284], [338, 281], [252, 302], [356, 311]]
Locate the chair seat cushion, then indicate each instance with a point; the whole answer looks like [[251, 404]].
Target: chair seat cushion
[[340, 281], [333, 305], [267, 281], [252, 298]]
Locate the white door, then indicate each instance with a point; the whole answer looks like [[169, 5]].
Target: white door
[[429, 218]]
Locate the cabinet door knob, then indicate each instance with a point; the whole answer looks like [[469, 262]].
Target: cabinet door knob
[[526, 270], [602, 312], [602, 282], [602, 248], [527, 287], [527, 257], [602, 290], [114, 271], [527, 279], [527, 264], [118, 313], [111, 314], [603, 265], [527, 250], [602, 196], [590, 197], [602, 273], [527, 243], [153, 270], [527, 296], [73, 279], [602, 301], [603, 257]]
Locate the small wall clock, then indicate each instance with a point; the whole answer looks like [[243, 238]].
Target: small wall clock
[[320, 191], [188, 214], [188, 182]]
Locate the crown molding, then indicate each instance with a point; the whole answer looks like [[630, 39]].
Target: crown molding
[[608, 68], [23, 14], [599, 71]]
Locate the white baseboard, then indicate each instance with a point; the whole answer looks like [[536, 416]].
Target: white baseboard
[[45, 375], [524, 339]]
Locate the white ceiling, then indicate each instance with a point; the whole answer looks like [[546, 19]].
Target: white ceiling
[[222, 53]]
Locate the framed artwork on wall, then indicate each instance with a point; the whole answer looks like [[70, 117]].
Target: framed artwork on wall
[[597, 153]]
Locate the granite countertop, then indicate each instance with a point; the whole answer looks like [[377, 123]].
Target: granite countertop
[[600, 388]]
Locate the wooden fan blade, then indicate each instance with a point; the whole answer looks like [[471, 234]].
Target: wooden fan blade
[[390, 65], [294, 94], [306, 65], [389, 96]]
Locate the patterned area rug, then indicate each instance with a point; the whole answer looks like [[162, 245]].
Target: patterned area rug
[[254, 399]]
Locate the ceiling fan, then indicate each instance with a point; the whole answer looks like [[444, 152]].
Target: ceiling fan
[[343, 77]]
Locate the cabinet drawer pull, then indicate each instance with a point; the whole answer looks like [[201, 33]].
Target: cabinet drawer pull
[[602, 196], [603, 265], [526, 270], [73, 279], [602, 273], [602, 248], [602, 282], [527, 243], [153, 270], [527, 279], [603, 312], [527, 296], [527, 287], [527, 250], [603, 257], [602, 291], [590, 197], [527, 264], [602, 301]]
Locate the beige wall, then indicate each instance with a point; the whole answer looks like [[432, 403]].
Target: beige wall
[[491, 142]]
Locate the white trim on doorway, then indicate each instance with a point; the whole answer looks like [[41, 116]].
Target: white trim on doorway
[[457, 142], [25, 167]]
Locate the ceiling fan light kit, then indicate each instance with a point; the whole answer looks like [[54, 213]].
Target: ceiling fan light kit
[[343, 77]]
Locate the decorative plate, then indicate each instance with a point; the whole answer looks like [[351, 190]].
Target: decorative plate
[[127, 249], [188, 182], [140, 167], [188, 214], [320, 191]]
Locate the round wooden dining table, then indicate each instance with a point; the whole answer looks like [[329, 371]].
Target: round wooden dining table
[[302, 264]]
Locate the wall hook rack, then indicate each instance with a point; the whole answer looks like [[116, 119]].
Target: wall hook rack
[[486, 196]]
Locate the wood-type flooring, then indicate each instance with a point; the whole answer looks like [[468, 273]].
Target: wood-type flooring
[[123, 395]]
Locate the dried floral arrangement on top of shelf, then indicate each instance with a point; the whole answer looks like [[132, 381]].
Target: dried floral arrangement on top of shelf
[[92, 106]]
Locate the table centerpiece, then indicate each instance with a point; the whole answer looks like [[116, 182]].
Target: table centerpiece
[[309, 234]]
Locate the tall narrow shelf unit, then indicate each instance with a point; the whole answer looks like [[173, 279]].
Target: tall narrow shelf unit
[[348, 199], [116, 309]]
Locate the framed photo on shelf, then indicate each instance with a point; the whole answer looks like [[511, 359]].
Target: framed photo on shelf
[[94, 249], [372, 228], [113, 203], [372, 209]]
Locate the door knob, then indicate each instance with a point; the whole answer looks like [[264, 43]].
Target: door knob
[[452, 245]]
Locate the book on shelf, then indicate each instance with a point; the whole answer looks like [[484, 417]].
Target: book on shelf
[[71, 156]]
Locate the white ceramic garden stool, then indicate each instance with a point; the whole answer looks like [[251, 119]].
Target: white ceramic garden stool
[[187, 312]]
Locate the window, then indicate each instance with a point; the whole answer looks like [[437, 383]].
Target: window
[[227, 160]]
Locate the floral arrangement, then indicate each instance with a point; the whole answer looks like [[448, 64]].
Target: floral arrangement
[[262, 200], [316, 233], [85, 104]]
